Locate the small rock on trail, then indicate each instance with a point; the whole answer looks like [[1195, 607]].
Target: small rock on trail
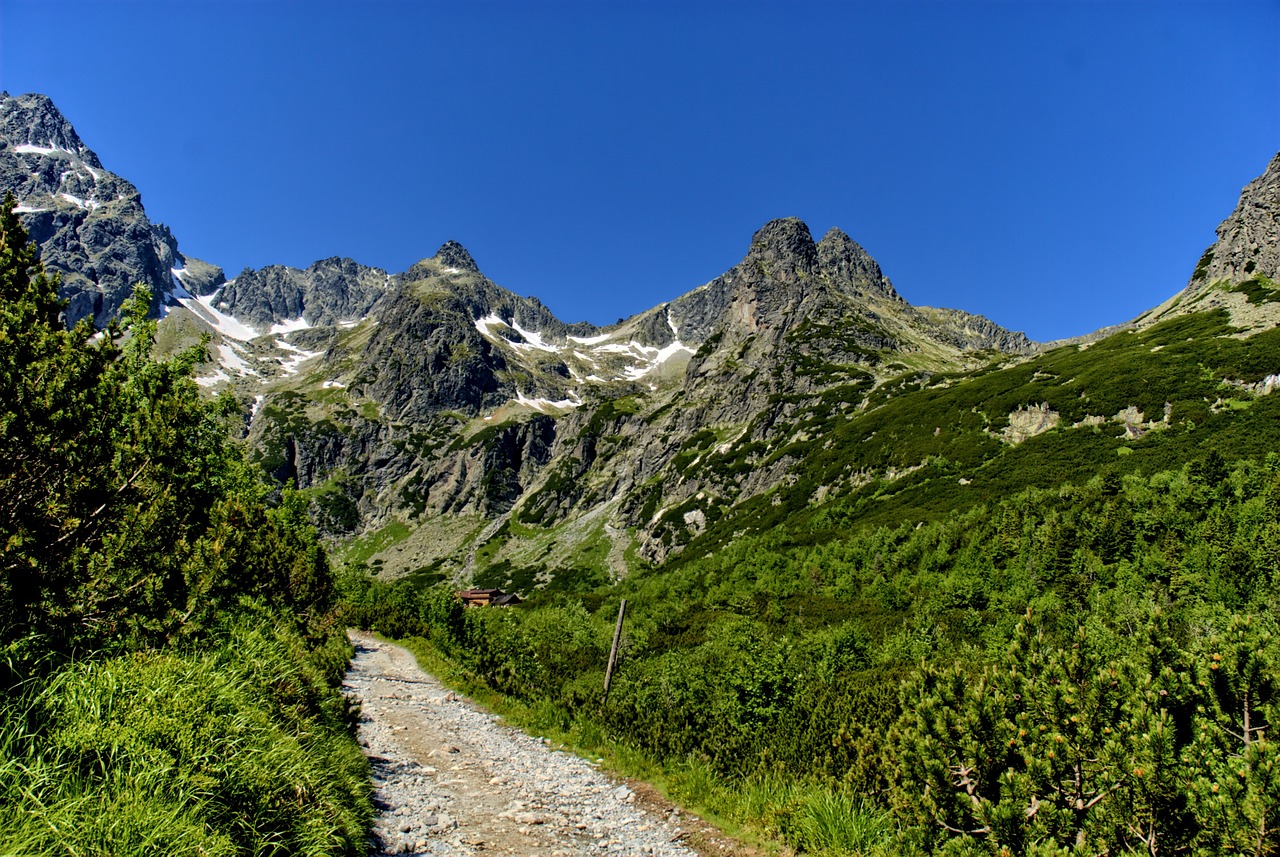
[[450, 780]]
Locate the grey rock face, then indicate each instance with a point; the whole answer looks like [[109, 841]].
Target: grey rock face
[[1249, 240], [456, 396], [424, 358], [969, 332], [89, 223], [327, 292], [453, 255], [852, 268], [446, 347]]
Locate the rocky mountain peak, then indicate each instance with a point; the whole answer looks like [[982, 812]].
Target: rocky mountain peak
[[453, 255], [1249, 240], [851, 268], [32, 122], [88, 222], [329, 291], [784, 250]]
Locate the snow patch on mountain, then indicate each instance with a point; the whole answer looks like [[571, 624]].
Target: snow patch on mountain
[[546, 405], [87, 204], [296, 358], [33, 149], [231, 360], [532, 339], [179, 292], [224, 324], [289, 326], [213, 380], [654, 362], [590, 340], [486, 324]]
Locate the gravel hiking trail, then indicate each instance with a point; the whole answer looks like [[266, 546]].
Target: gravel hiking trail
[[451, 779]]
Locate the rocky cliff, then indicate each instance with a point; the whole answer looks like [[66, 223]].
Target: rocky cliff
[[88, 222], [1238, 271], [328, 292], [1249, 240], [456, 398]]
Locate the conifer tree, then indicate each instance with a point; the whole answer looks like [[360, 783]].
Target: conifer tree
[[1058, 746], [54, 441], [127, 513], [1236, 791]]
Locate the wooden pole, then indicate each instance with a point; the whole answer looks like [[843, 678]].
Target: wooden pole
[[613, 652]]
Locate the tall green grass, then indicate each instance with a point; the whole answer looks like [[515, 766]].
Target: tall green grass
[[242, 749], [810, 816]]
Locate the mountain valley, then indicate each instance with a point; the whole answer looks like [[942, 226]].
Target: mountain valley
[[446, 427], [856, 576]]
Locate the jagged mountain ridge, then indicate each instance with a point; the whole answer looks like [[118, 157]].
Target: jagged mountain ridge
[[329, 291], [437, 392], [755, 363], [457, 398], [476, 431]]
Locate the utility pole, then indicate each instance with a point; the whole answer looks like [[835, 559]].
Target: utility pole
[[613, 652]]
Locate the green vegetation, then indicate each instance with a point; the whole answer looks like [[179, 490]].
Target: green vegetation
[[932, 431], [1066, 669], [168, 657], [1258, 289], [1202, 266], [358, 551], [1068, 645]]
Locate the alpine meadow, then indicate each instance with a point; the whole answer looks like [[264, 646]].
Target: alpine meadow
[[897, 580]]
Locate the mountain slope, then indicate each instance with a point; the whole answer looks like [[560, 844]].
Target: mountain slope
[[1193, 375], [523, 440]]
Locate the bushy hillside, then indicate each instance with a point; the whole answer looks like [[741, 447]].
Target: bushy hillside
[[1092, 667], [168, 656]]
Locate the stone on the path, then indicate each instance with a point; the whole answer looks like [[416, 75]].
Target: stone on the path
[[504, 792]]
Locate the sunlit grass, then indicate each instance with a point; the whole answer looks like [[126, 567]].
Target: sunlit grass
[[242, 749]]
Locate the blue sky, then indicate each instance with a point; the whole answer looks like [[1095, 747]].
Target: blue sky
[[1056, 166]]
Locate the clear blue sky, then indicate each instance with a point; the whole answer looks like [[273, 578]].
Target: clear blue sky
[[1056, 166]]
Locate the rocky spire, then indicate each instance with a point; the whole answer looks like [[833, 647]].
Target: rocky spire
[[1249, 240], [784, 250], [33, 122], [453, 255], [89, 223], [851, 268]]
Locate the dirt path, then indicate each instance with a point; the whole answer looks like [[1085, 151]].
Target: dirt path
[[451, 780]]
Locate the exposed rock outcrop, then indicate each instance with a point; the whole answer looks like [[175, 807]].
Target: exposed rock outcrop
[[1248, 247], [329, 291], [1249, 240], [436, 392]]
